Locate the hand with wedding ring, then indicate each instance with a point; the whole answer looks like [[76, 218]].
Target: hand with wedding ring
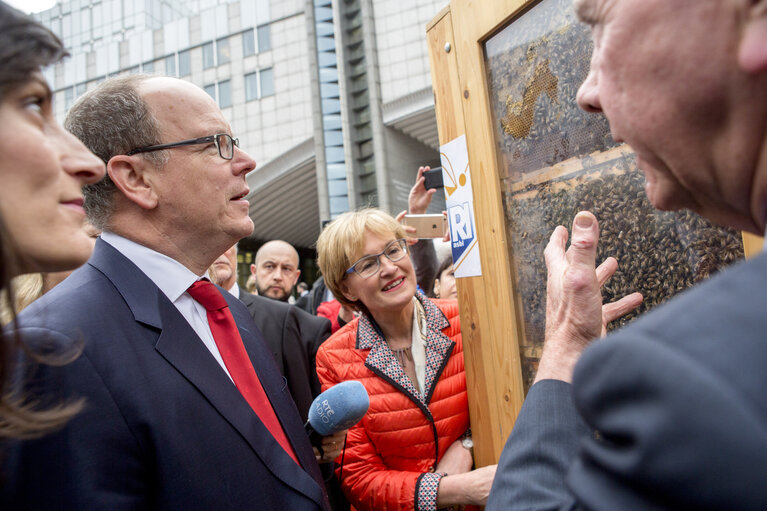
[[332, 445]]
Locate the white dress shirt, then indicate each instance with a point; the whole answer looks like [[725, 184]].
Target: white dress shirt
[[173, 279]]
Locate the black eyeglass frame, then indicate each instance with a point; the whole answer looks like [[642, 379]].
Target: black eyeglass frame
[[235, 142], [405, 250]]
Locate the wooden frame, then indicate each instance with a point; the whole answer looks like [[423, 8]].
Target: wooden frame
[[489, 309]]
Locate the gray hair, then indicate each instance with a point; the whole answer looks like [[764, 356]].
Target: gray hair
[[111, 120]]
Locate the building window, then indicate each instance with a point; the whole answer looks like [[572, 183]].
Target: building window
[[224, 52], [251, 86], [264, 38], [225, 94], [184, 63], [207, 56], [80, 89], [211, 90], [69, 98], [267, 82], [248, 43], [170, 65], [148, 67]]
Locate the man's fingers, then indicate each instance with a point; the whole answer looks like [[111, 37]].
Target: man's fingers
[[554, 253], [615, 310], [583, 246], [400, 216], [606, 270]]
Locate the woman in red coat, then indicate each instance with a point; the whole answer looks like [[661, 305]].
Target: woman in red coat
[[412, 448]]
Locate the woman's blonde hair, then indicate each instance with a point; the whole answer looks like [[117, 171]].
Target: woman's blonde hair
[[342, 242], [26, 289]]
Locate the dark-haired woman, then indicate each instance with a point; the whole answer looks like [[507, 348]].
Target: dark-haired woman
[[42, 171]]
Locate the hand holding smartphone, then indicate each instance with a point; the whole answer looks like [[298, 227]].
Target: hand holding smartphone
[[426, 226], [433, 178]]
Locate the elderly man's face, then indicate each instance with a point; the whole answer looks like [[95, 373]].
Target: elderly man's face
[[223, 271], [198, 191], [276, 271], [666, 76]]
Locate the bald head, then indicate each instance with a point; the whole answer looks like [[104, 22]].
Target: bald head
[[276, 270]]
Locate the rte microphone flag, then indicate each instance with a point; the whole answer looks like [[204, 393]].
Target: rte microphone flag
[[338, 408]]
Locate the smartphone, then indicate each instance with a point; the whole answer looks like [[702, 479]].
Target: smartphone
[[433, 178], [426, 226]]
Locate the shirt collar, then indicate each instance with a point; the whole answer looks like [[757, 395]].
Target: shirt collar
[[172, 277]]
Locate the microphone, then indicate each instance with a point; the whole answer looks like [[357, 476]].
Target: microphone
[[338, 408]]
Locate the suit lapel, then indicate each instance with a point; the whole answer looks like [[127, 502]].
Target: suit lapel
[[178, 343]]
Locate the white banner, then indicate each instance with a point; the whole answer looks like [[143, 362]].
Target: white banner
[[459, 199]]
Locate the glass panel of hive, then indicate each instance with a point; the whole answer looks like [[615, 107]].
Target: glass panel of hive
[[557, 160]]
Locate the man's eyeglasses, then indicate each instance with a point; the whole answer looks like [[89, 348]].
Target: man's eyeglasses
[[368, 265], [224, 143]]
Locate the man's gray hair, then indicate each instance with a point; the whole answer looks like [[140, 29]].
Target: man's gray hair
[[110, 120]]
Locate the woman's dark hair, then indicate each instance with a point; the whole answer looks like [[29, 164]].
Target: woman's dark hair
[[25, 47], [446, 263]]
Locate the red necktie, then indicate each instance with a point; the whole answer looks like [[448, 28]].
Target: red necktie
[[236, 359]]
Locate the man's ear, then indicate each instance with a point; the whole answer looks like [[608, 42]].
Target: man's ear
[[752, 54], [129, 174], [253, 269]]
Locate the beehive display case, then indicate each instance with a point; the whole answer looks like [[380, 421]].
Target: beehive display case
[[556, 159], [506, 74]]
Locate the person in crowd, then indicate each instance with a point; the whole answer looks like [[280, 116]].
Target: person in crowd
[[444, 284], [302, 288], [42, 171], [185, 406], [250, 284], [412, 448], [423, 252], [293, 336], [671, 411], [276, 270]]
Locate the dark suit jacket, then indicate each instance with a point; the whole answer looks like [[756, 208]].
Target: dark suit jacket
[[676, 408], [293, 336], [163, 425]]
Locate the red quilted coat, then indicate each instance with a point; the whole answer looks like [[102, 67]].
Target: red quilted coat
[[391, 454]]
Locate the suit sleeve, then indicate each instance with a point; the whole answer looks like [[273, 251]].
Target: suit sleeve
[[65, 469], [425, 261], [680, 423], [298, 365], [532, 468]]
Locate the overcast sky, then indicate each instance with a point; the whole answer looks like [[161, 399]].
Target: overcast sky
[[31, 5]]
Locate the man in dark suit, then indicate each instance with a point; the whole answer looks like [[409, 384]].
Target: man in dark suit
[[670, 412], [167, 421], [293, 335]]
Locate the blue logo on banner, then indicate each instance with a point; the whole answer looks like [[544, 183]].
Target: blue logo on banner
[[461, 229]]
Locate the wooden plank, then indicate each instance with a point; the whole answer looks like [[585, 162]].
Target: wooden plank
[[495, 353], [449, 112], [752, 244], [488, 310]]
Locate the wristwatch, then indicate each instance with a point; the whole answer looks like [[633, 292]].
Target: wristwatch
[[467, 442]]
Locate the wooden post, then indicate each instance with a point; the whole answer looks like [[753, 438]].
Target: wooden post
[[488, 315]]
